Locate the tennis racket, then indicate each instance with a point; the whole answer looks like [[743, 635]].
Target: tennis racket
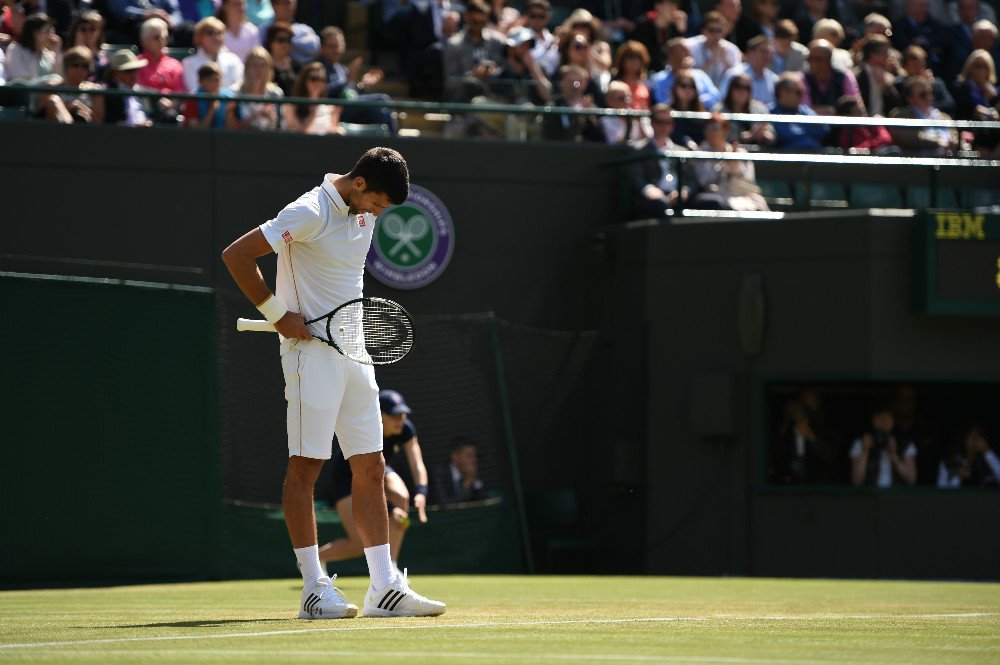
[[371, 331]]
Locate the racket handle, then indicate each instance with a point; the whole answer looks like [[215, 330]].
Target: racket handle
[[254, 325]]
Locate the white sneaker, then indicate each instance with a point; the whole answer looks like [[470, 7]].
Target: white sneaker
[[325, 601], [399, 600]]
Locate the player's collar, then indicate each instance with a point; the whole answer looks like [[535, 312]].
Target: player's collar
[[335, 197]]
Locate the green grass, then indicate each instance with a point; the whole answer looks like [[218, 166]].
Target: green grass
[[517, 620]]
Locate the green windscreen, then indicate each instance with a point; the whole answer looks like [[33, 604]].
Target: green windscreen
[[109, 454]]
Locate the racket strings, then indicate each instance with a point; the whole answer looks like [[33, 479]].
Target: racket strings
[[388, 332], [372, 331]]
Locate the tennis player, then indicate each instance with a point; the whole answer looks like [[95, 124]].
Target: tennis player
[[399, 434], [322, 239]]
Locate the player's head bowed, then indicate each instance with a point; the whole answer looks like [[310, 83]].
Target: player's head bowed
[[385, 172]]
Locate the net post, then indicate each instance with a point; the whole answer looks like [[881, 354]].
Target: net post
[[508, 427]]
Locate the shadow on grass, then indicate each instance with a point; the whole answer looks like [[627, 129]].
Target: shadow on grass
[[207, 623]]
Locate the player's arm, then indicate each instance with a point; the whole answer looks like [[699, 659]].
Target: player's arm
[[418, 472], [241, 260]]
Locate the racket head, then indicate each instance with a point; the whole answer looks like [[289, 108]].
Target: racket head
[[371, 331]]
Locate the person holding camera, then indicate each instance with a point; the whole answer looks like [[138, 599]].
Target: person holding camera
[[878, 459]]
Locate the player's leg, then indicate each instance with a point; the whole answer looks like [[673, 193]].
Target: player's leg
[[359, 428], [399, 517], [348, 547], [313, 401]]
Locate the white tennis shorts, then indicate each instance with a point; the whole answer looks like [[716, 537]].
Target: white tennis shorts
[[329, 393]]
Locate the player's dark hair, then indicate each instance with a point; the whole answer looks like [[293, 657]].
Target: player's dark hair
[[385, 172]]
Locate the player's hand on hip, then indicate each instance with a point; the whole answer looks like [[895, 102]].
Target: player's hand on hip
[[293, 326], [420, 503]]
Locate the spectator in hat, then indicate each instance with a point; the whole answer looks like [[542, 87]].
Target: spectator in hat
[[123, 69], [520, 79], [305, 41]]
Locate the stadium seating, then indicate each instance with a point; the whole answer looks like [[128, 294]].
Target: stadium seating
[[865, 195]]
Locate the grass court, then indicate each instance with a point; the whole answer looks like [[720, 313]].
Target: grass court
[[515, 619]]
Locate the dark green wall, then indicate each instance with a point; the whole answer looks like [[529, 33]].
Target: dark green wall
[[837, 306], [109, 468]]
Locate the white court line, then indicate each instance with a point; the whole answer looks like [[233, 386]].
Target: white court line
[[468, 655], [497, 624]]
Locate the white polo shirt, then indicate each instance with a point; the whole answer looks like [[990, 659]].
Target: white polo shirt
[[321, 252]]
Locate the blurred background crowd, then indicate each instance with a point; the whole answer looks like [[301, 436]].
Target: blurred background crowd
[[916, 59]]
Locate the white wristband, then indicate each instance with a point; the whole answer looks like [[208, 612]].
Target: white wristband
[[273, 309]]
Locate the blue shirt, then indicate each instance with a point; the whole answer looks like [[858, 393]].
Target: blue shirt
[[662, 82], [762, 87], [793, 136]]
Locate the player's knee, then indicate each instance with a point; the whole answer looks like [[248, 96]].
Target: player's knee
[[302, 472], [368, 469]]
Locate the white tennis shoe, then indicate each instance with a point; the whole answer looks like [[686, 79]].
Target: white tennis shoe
[[399, 600], [325, 601]]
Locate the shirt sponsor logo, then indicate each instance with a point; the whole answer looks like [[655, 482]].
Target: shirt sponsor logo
[[413, 242], [287, 237], [361, 221]]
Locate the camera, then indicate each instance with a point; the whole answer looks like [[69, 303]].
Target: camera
[[881, 440]]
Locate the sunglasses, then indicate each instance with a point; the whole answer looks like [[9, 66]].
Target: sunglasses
[[580, 45], [740, 86], [317, 79]]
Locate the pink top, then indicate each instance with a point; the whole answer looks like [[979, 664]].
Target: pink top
[[165, 74]]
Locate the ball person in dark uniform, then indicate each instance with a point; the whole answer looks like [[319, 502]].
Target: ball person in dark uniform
[[399, 435]]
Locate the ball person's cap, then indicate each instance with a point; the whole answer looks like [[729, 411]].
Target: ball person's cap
[[392, 403]]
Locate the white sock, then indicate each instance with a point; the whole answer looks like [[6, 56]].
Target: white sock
[[309, 566], [380, 566]]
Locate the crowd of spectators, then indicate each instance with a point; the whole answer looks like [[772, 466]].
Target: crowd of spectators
[[922, 59], [229, 48], [898, 445]]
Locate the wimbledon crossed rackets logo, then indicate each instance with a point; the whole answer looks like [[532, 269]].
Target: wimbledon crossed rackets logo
[[413, 242]]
